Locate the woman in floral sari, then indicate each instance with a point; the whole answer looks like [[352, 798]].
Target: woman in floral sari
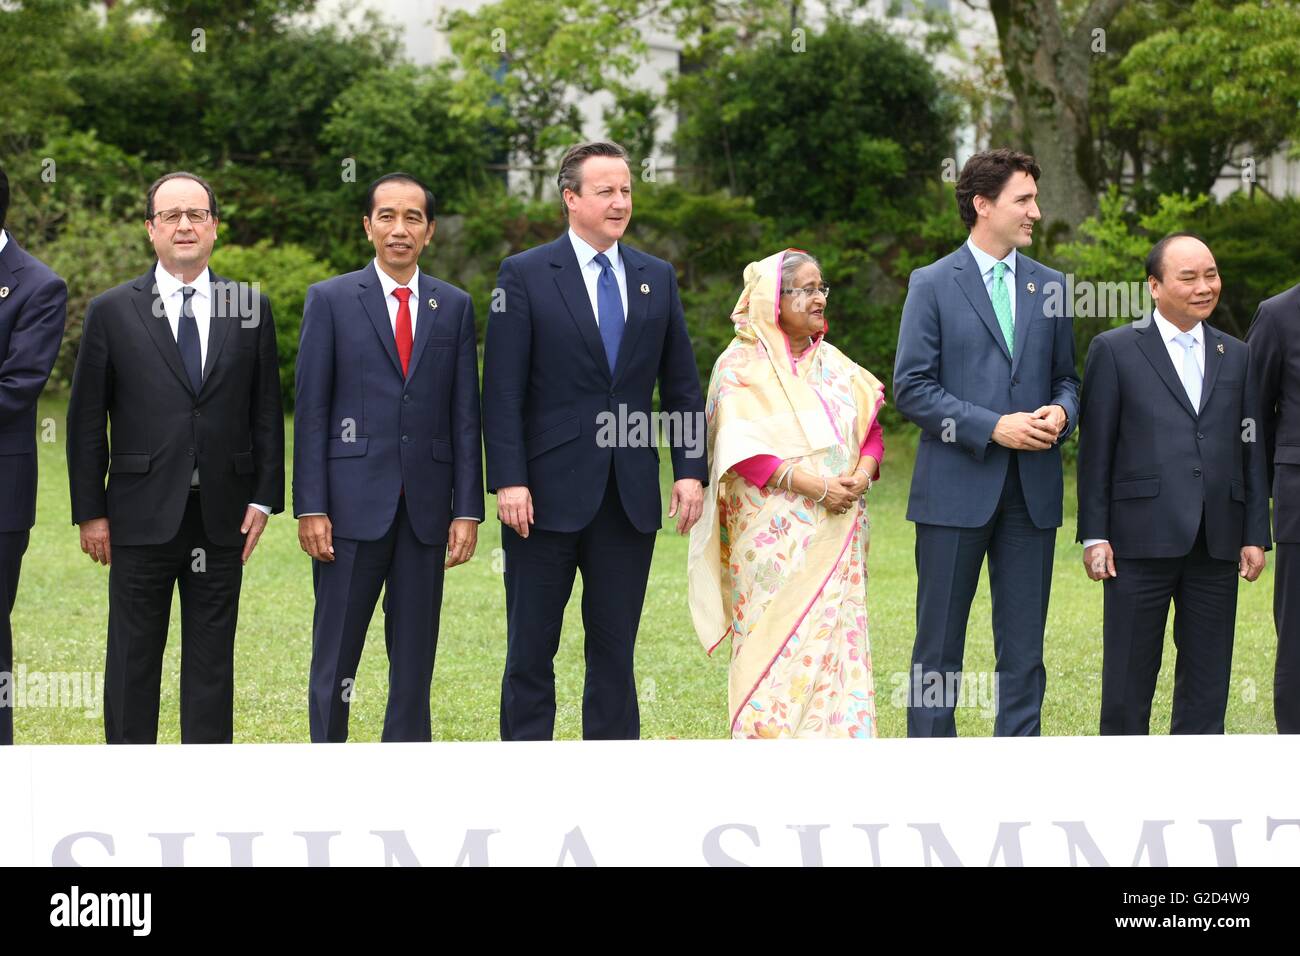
[[778, 560]]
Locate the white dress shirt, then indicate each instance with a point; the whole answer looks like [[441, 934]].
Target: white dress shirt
[[986, 263], [388, 284], [591, 271], [172, 292], [1168, 332], [4, 239]]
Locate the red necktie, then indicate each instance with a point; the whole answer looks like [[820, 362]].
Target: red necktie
[[403, 326]]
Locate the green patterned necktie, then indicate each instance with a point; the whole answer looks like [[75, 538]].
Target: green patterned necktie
[[1002, 306]]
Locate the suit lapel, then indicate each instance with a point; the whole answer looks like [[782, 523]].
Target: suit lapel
[[10, 265], [427, 316], [1153, 347], [153, 315], [1213, 361], [371, 294], [224, 298], [634, 264], [971, 283], [568, 278], [1026, 304]]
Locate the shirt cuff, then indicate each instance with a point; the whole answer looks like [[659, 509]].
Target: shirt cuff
[[467, 518], [1089, 542], [312, 514], [265, 509]]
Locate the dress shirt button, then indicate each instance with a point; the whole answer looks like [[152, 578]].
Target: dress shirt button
[[1196, 472]]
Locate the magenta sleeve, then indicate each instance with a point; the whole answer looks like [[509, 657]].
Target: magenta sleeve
[[757, 470], [874, 443]]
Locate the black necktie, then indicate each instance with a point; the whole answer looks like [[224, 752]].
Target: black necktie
[[187, 338]]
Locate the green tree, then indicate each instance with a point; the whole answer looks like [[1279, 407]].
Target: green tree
[[1195, 93], [525, 62], [813, 133]]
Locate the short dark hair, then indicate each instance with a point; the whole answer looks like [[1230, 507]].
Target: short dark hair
[[1156, 257], [4, 197], [399, 178], [986, 173], [570, 174], [180, 174]]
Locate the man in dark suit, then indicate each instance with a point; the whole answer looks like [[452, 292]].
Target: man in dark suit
[[1173, 494], [183, 364], [1274, 340], [387, 478], [586, 327], [985, 366], [33, 310]]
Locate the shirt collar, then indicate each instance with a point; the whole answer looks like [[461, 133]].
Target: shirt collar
[[1169, 331], [4, 239], [586, 252], [986, 261], [388, 283], [169, 285]]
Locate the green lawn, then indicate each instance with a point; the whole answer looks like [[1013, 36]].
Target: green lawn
[[60, 621]]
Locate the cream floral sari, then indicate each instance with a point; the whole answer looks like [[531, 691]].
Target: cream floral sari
[[779, 573]]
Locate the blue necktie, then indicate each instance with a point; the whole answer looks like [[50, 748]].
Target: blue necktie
[[609, 310], [187, 338], [1191, 372]]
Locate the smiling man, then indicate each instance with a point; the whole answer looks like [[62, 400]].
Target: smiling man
[[1173, 493], [387, 463], [181, 366], [987, 372], [586, 327]]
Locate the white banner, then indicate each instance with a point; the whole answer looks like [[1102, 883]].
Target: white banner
[[1051, 801]]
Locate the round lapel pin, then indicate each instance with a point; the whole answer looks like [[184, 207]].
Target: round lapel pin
[[1031, 287], [433, 303], [1220, 348], [4, 292], [645, 288]]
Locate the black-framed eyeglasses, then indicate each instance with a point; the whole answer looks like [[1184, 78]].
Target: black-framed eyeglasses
[[172, 216], [807, 292]]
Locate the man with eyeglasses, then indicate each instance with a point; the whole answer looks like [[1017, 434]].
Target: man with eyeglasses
[[182, 364], [33, 310]]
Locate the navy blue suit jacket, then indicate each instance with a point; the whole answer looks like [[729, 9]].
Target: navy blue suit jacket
[[546, 380], [33, 312], [363, 432], [1150, 464], [954, 378]]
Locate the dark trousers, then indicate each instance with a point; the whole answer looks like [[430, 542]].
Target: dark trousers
[[140, 584], [347, 588], [1286, 616], [1204, 592], [13, 545], [614, 558], [948, 563]]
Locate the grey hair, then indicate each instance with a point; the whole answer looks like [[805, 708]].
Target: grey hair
[[570, 175], [791, 263]]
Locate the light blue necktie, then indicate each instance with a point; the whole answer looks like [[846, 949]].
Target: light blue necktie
[[1191, 372], [609, 310]]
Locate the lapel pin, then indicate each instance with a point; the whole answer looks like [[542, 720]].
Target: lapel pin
[[1031, 287], [1220, 348], [645, 288], [433, 303], [4, 292]]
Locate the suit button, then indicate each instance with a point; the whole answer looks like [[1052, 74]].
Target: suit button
[[406, 438], [196, 413], [1196, 472], [1200, 436], [406, 399], [190, 452], [1015, 381]]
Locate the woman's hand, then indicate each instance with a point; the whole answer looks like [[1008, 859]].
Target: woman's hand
[[840, 496]]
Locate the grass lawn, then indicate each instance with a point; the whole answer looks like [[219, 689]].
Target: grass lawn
[[61, 617]]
